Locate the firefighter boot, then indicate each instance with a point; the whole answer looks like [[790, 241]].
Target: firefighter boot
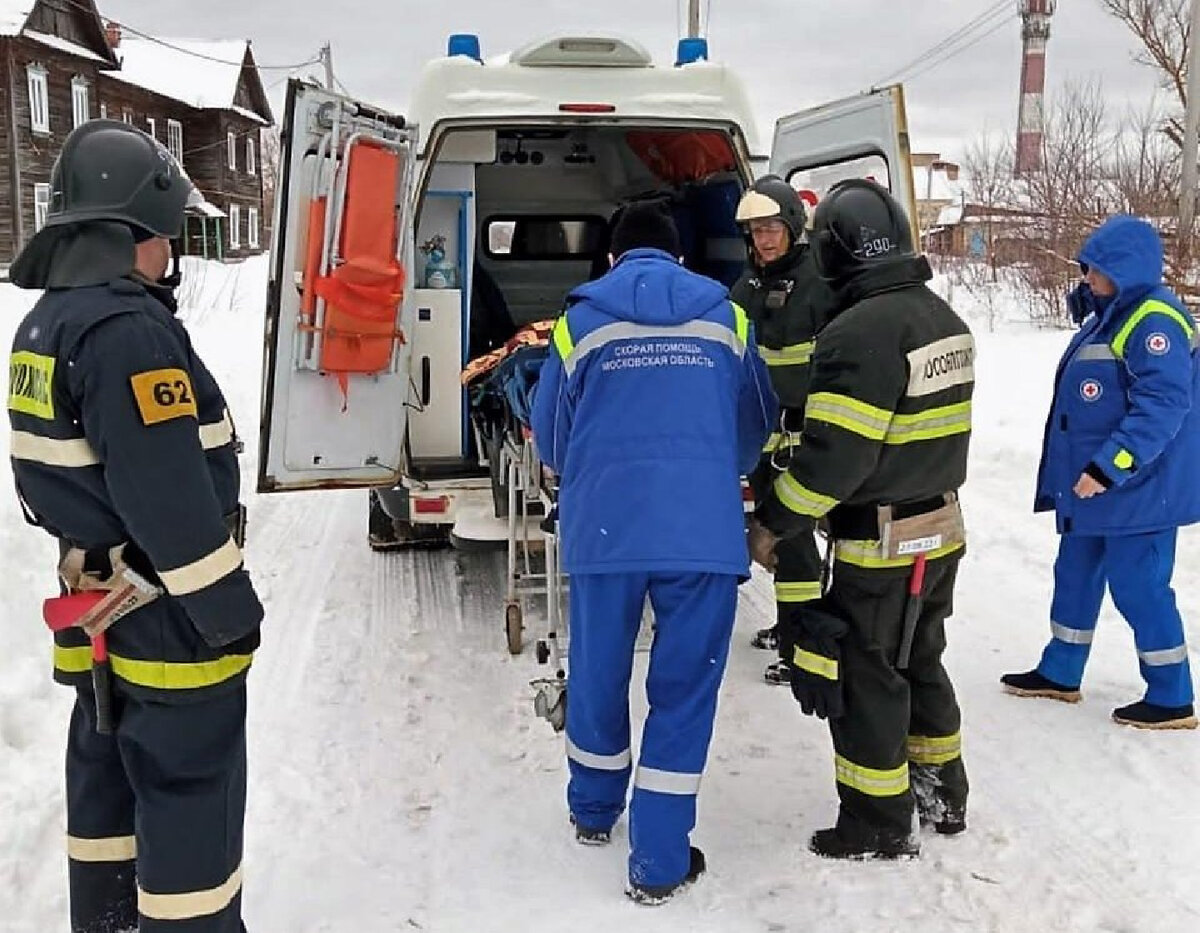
[[862, 844]]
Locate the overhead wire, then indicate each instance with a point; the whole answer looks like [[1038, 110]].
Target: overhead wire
[[955, 42]]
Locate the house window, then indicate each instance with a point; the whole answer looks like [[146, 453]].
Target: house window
[[126, 115], [152, 127], [80, 110], [250, 161], [103, 110], [252, 227], [235, 221], [41, 206], [175, 139], [231, 145], [39, 98]]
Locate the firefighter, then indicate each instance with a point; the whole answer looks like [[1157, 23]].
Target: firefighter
[[883, 453], [788, 303], [123, 450], [650, 406], [1118, 469]]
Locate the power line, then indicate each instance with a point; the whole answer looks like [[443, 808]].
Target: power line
[[948, 42], [1004, 21]]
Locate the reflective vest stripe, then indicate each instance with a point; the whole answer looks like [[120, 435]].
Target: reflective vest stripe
[[798, 354], [157, 675], [69, 452], [612, 333], [1145, 310], [800, 592], [678, 783], [1095, 352], [1164, 657], [815, 663], [617, 762], [110, 849], [934, 749], [562, 338], [190, 904], [193, 577], [869, 554], [741, 323], [800, 499], [849, 413], [945, 421], [1071, 636], [871, 781]]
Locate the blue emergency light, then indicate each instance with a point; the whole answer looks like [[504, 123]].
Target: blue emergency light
[[692, 49], [464, 43]]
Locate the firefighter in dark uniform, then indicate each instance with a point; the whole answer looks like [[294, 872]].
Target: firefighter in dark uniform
[[788, 302], [883, 453], [123, 449]]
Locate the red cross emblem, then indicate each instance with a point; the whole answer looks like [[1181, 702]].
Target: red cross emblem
[[1158, 344], [1090, 390]]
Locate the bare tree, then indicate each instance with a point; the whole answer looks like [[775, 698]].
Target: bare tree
[[1145, 166], [1163, 30], [270, 148]]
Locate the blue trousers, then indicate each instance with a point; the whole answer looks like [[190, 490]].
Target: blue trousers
[[1137, 570], [694, 615]]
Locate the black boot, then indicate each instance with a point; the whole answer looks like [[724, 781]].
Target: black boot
[[1033, 684], [1143, 715], [946, 818], [652, 895], [590, 836], [863, 844], [766, 638]]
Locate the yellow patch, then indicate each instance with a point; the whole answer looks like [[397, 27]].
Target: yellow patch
[[163, 394], [30, 377]]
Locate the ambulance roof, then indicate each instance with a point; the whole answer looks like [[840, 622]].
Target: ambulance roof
[[537, 79]]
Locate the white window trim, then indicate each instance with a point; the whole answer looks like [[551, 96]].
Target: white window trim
[[251, 162], [81, 105], [175, 139], [103, 110], [231, 145], [41, 205], [39, 98], [235, 221], [252, 227], [127, 115], [152, 127]]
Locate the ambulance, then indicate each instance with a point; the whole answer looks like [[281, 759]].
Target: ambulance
[[404, 245]]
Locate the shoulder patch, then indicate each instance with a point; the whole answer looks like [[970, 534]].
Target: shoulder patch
[[1158, 343], [163, 394], [30, 377], [941, 365]]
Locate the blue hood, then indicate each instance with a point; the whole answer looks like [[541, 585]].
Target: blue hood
[[649, 286], [1130, 253]]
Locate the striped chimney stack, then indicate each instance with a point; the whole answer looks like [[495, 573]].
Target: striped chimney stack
[[1035, 32]]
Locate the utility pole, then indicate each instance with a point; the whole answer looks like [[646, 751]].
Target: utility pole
[[1191, 130], [693, 24], [327, 58]]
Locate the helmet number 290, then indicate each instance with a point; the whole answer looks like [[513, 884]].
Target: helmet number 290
[[880, 246]]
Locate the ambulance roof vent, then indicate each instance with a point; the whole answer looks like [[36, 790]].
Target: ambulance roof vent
[[583, 52]]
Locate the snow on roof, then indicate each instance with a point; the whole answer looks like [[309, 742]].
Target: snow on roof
[[950, 215], [63, 45], [936, 188], [197, 82], [13, 14]]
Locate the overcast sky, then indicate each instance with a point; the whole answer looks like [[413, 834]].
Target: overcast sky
[[792, 54]]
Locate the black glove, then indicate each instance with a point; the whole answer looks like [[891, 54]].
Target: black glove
[[816, 662]]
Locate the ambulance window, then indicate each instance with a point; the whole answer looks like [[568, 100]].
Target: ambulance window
[[544, 237], [821, 178]]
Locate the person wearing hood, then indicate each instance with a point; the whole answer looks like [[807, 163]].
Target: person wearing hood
[[788, 303], [1118, 469], [124, 451], [651, 405], [882, 456]]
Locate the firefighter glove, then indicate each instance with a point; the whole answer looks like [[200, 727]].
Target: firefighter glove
[[762, 545], [816, 661]]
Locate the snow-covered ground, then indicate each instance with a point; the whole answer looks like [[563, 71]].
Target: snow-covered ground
[[399, 780]]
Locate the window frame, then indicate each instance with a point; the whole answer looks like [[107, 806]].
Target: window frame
[[152, 127], [235, 222], [252, 231], [251, 160], [231, 150], [38, 82], [598, 221], [81, 103], [175, 139], [41, 204]]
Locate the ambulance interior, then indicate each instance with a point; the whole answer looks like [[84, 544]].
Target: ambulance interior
[[523, 212]]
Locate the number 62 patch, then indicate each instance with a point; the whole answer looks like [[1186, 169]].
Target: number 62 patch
[[163, 394]]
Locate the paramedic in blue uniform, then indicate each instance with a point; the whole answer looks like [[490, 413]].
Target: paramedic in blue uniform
[[124, 451], [651, 405], [1118, 468]]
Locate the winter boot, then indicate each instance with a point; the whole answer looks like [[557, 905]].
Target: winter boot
[[766, 638], [1033, 684], [649, 895], [1143, 715], [778, 673], [589, 836], [947, 819], [867, 844]]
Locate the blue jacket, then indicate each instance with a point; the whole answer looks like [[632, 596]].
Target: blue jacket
[[650, 406], [1126, 397]]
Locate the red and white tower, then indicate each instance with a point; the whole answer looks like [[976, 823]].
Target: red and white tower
[[1035, 33]]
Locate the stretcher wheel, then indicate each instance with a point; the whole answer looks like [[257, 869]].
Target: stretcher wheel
[[543, 652], [513, 627]]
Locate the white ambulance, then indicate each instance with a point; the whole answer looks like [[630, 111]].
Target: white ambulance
[[405, 246]]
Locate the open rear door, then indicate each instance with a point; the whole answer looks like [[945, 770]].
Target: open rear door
[[336, 367], [865, 136]]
